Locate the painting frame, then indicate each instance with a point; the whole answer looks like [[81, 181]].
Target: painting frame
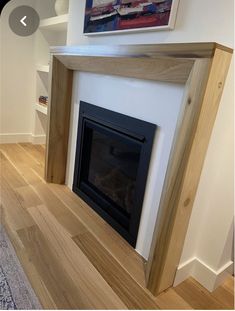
[[169, 26]]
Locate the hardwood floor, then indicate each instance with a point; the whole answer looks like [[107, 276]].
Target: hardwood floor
[[73, 258]]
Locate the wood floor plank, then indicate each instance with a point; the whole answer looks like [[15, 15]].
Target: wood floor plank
[[9, 172], [37, 155], [60, 286], [229, 284], [24, 164], [100, 270], [105, 234], [28, 197], [34, 277], [225, 297], [12, 202], [170, 300], [57, 208], [18, 155], [197, 296], [36, 151], [121, 282], [16, 218], [95, 291], [39, 286], [15, 214]]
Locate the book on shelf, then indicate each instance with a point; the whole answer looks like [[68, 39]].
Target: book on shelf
[[43, 100]]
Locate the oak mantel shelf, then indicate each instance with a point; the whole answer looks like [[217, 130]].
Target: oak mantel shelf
[[202, 68], [175, 50]]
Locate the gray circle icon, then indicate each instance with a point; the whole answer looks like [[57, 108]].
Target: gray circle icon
[[24, 21]]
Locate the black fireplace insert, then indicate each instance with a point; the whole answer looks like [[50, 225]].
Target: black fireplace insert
[[111, 167]]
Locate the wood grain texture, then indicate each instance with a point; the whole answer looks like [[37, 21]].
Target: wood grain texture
[[58, 209], [61, 288], [175, 50], [36, 151], [229, 285], [32, 273], [77, 266], [14, 212], [173, 222], [156, 69], [224, 297], [169, 300], [27, 197], [197, 296], [126, 256], [59, 107], [194, 93], [65, 274], [121, 282], [10, 174], [36, 279], [26, 165]]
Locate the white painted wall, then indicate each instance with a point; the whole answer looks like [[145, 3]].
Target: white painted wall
[[17, 80], [18, 120], [200, 20], [45, 9], [42, 42], [209, 233]]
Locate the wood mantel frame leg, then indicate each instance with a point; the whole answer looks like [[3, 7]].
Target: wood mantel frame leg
[[203, 67], [59, 121], [185, 168]]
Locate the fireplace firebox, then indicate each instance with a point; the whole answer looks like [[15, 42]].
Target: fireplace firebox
[[111, 166]]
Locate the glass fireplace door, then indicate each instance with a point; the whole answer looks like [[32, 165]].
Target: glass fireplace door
[[109, 169]]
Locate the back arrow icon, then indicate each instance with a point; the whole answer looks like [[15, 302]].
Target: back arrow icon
[[22, 21]]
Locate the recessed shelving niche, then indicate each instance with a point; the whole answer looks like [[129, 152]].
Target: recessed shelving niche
[[52, 31], [41, 108], [42, 68], [56, 23]]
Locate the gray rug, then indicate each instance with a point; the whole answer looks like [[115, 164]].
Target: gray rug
[[15, 290]]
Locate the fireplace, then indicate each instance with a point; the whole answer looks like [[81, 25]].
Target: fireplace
[[111, 167]]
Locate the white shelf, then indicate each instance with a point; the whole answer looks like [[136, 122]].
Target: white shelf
[[42, 68], [41, 108], [57, 23]]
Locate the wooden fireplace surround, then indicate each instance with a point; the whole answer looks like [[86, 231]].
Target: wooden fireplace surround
[[202, 68]]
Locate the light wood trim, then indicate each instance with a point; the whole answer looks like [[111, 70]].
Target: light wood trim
[[194, 92], [177, 205], [172, 70], [174, 50], [59, 121]]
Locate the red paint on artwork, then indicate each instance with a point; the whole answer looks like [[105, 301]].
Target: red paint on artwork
[[144, 21]]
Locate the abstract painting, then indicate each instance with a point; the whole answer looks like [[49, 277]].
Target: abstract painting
[[105, 16]]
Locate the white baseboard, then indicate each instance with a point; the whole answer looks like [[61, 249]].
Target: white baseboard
[[14, 138], [38, 139], [184, 271], [205, 275]]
